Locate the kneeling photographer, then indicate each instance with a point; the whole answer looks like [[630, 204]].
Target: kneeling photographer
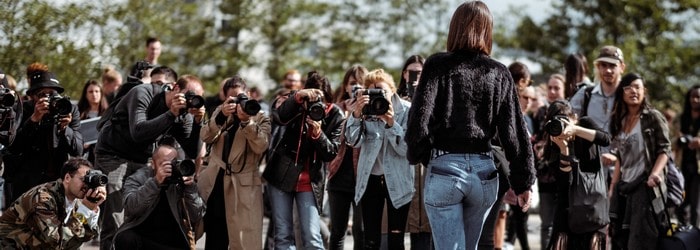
[[572, 153], [377, 127], [161, 204], [60, 214], [297, 168], [47, 135]]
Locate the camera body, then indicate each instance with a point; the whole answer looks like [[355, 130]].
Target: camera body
[[555, 126], [378, 104], [59, 106], [355, 88], [94, 179], [181, 168], [412, 77], [250, 107], [193, 100]]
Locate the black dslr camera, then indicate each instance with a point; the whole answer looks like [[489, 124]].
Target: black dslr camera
[[59, 106], [94, 179], [181, 168], [250, 107], [555, 126], [316, 109], [7, 100], [378, 104], [193, 100]]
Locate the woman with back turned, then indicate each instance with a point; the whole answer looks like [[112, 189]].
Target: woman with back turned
[[451, 134]]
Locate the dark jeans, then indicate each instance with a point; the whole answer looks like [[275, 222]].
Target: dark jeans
[[372, 208], [340, 203], [130, 240]]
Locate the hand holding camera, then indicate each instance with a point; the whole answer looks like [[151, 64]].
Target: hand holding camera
[[41, 108], [95, 182], [689, 141], [95, 197]]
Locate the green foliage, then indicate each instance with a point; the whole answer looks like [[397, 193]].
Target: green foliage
[[653, 36]]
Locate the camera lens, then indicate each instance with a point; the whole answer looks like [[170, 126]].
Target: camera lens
[[193, 100], [316, 111]]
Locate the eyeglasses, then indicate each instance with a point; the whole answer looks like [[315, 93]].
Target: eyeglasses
[[628, 89]]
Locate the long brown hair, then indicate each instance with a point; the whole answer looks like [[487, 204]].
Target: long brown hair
[[471, 28], [84, 105], [620, 109]]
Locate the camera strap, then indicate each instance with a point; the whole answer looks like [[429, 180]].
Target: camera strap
[[228, 144]]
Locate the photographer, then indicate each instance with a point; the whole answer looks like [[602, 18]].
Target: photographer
[[571, 148], [230, 184], [296, 170], [61, 214], [161, 205], [145, 115], [48, 134], [383, 172]]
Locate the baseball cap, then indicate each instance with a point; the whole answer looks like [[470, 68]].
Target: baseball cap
[[610, 54]]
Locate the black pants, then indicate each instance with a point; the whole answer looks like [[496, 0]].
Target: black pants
[[372, 208], [131, 240], [517, 226], [340, 203], [215, 218]]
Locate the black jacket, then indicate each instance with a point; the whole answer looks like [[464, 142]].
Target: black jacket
[[462, 101], [280, 171]]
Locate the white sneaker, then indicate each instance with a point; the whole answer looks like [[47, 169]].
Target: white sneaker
[[508, 246]]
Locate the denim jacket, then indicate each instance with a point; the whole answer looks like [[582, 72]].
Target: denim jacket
[[398, 173]]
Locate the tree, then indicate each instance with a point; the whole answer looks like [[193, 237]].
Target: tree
[[37, 31], [652, 35]]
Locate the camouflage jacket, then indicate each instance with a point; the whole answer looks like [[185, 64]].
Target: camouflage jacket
[[36, 221]]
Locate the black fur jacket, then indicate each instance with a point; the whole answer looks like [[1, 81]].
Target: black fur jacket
[[462, 101]]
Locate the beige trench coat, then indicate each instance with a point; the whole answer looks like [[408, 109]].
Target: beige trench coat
[[242, 191]]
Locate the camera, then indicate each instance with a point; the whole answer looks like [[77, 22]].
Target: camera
[[412, 77], [7, 99], [316, 110], [94, 179], [555, 126], [378, 104], [685, 139], [59, 106], [181, 168], [138, 69], [250, 107], [355, 88], [193, 100]]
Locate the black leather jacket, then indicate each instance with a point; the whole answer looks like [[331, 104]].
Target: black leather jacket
[[294, 150]]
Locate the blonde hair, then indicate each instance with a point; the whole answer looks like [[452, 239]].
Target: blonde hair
[[377, 76], [109, 74]]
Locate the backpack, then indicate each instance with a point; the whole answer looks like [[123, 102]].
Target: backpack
[[586, 100], [123, 90]]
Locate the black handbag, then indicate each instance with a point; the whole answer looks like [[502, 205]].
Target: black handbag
[[588, 201]]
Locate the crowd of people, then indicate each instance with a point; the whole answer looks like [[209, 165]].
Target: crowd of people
[[448, 152]]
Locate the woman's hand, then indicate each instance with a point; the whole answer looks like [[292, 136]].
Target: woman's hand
[[608, 159], [388, 117], [654, 180]]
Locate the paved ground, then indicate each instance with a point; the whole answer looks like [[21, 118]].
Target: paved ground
[[533, 237]]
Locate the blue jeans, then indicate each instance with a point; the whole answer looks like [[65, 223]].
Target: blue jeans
[[459, 188], [309, 217]]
